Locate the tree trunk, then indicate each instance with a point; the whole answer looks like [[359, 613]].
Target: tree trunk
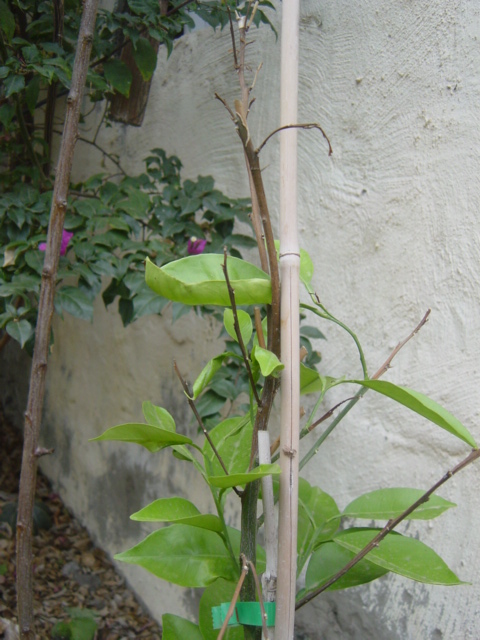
[[33, 414]]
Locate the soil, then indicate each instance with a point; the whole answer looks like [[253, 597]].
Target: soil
[[69, 571]]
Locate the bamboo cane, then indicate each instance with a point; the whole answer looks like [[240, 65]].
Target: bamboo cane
[[289, 269]]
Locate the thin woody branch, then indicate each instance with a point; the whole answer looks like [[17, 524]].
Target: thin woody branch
[[308, 125], [361, 392], [235, 596], [236, 326], [390, 526]]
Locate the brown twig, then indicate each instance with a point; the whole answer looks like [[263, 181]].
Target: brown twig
[[386, 365], [232, 35], [235, 596], [362, 392], [308, 125], [258, 327], [200, 422], [390, 526], [236, 326], [260, 599], [225, 104]]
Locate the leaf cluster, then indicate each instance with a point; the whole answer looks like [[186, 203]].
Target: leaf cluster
[[116, 227]]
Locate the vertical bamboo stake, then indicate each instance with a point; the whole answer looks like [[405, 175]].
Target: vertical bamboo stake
[[33, 414], [290, 342]]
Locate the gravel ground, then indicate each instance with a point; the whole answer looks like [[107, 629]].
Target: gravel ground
[[69, 571]]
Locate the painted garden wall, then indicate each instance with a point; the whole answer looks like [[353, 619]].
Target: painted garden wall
[[391, 222]]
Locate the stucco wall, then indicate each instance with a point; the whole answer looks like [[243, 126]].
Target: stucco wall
[[391, 223]]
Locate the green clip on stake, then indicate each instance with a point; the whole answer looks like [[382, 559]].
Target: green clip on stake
[[247, 613]]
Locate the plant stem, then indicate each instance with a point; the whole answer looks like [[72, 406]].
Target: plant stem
[[248, 546], [36, 393]]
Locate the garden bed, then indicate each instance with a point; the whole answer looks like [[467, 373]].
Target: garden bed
[[69, 571]]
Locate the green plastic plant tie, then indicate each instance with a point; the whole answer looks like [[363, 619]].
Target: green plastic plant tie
[[246, 613]]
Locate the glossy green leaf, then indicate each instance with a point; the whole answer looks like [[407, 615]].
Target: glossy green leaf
[[177, 510], [145, 58], [158, 416], [209, 404], [187, 556], [20, 330], [385, 504], [329, 559], [147, 302], [233, 439], [13, 84], [177, 628], [207, 373], [245, 324], [268, 362], [306, 267], [200, 280], [422, 405], [31, 94], [119, 76], [312, 382], [75, 302], [318, 519], [147, 435], [214, 595], [406, 556], [7, 21], [239, 479]]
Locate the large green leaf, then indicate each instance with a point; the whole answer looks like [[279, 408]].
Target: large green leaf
[[244, 322], [268, 362], [187, 556], [385, 504], [207, 373], [147, 435], [306, 268], [177, 510], [329, 559], [158, 416], [200, 280], [75, 302], [7, 21], [232, 439], [236, 479], [406, 556], [214, 595], [145, 57], [422, 405], [176, 628], [318, 519], [19, 330], [119, 76], [312, 382]]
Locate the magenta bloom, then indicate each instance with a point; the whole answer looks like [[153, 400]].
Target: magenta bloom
[[196, 246], [66, 237]]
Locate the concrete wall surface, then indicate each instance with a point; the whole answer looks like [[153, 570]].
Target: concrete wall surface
[[391, 222]]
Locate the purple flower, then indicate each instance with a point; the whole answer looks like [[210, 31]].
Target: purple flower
[[196, 246], [66, 237]]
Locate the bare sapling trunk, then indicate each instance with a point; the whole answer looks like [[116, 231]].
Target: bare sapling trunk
[[290, 329], [33, 414]]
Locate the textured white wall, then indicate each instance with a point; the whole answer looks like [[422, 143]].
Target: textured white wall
[[391, 223]]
